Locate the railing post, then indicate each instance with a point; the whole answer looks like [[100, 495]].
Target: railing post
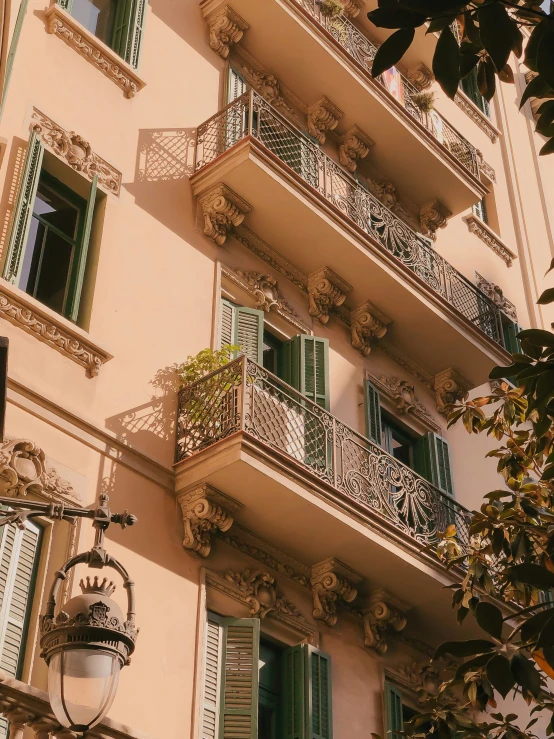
[[18, 719], [251, 113], [243, 390], [334, 451]]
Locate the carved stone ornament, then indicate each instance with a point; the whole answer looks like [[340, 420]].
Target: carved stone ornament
[[354, 145], [383, 615], [450, 388], [424, 679], [477, 116], [223, 209], [492, 240], [332, 581], [484, 167], [15, 308], [77, 152], [326, 290], [205, 510], [494, 293], [226, 29], [367, 323], [421, 76], [321, 117], [23, 472], [267, 85], [386, 192], [405, 400], [262, 594], [432, 216], [61, 23]]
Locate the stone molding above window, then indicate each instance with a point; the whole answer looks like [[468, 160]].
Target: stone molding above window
[[63, 25], [492, 240], [76, 152], [23, 311], [402, 395], [463, 102]]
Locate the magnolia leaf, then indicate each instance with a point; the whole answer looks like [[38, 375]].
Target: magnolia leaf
[[498, 672], [396, 17], [548, 148], [525, 674], [506, 74], [468, 62], [537, 337], [392, 50], [464, 648], [446, 62], [532, 47], [548, 295], [534, 625], [537, 88], [495, 28], [531, 574], [552, 262], [499, 373], [489, 619], [545, 55]]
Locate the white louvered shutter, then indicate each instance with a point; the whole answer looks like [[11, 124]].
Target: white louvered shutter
[[239, 679], [212, 678], [250, 333], [236, 85], [226, 334]]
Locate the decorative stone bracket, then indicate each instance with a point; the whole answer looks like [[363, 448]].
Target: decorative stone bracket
[[322, 116], [355, 145], [495, 293], [223, 210], [367, 323], [226, 28], [326, 290], [421, 76], [432, 216], [332, 581], [384, 614], [205, 510], [450, 388]]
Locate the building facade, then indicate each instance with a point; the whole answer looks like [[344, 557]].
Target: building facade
[[178, 177]]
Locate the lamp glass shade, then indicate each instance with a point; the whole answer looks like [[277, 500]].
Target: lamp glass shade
[[82, 684]]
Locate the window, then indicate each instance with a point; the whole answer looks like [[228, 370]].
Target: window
[[50, 236], [118, 23], [272, 354], [397, 713], [254, 688], [470, 87], [396, 441], [480, 210]]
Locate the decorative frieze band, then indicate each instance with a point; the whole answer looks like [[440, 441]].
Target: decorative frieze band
[[326, 290], [477, 116], [205, 510], [60, 23], [322, 116], [367, 323], [450, 388], [332, 581], [223, 210], [492, 240], [76, 152], [22, 313]]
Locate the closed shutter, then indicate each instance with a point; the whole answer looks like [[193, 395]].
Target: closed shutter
[[243, 327], [212, 677], [236, 85], [432, 461], [239, 679], [75, 299], [307, 367], [372, 412], [128, 30], [308, 694], [24, 208], [471, 88], [510, 331], [122, 27], [393, 712]]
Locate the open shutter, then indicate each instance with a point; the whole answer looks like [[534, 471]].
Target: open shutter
[[24, 208], [480, 210], [83, 251], [236, 85], [226, 335], [249, 332], [432, 461], [307, 691], [212, 677], [393, 712], [122, 27], [510, 331], [307, 367], [134, 44], [372, 412], [239, 679]]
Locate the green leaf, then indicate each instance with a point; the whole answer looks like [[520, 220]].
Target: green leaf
[[548, 295], [537, 88], [546, 638], [467, 63], [499, 373], [525, 674], [552, 262], [531, 574], [446, 62], [533, 45], [395, 18], [548, 148], [489, 619], [537, 337], [496, 29], [534, 625], [545, 55], [498, 672], [464, 648], [392, 50]]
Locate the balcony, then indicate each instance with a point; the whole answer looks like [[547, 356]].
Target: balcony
[[330, 56], [310, 484], [315, 213]]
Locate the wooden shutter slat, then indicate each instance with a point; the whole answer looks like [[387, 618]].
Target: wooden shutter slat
[[133, 49], [239, 676], [249, 331], [372, 412], [307, 691], [212, 668]]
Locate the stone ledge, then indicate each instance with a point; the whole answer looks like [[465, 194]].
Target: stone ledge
[[22, 310], [492, 240], [62, 24]]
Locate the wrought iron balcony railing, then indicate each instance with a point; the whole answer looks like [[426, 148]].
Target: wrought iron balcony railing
[[242, 396], [363, 51], [250, 115]]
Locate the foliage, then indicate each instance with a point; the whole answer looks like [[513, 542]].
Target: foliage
[[206, 361], [509, 564], [480, 36], [331, 8], [425, 101]]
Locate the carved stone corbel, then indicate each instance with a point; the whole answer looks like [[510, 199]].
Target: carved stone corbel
[[450, 388], [355, 145], [383, 614], [495, 293], [223, 209], [367, 323], [352, 7], [322, 116], [332, 580], [326, 290], [205, 510], [421, 76], [226, 29], [432, 216]]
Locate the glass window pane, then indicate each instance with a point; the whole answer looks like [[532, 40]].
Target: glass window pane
[[55, 210], [48, 274], [96, 15]]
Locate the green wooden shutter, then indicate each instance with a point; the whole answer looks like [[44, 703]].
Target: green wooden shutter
[[24, 208], [73, 311], [122, 27], [372, 412], [510, 331], [239, 679], [242, 327], [212, 677], [393, 712], [307, 694], [18, 561], [307, 367], [134, 43], [432, 461]]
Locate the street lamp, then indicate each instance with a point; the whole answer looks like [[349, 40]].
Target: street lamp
[[87, 643]]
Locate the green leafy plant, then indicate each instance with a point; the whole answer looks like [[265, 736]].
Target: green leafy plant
[[425, 101], [331, 8], [206, 361], [476, 36]]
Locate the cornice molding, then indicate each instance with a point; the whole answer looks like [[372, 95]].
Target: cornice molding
[[463, 102], [60, 23], [21, 311], [492, 240]]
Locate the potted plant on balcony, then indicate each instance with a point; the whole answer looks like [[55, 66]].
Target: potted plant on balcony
[[331, 8], [425, 101]]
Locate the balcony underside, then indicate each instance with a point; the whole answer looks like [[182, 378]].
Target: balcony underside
[[310, 520], [303, 55], [311, 232]]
